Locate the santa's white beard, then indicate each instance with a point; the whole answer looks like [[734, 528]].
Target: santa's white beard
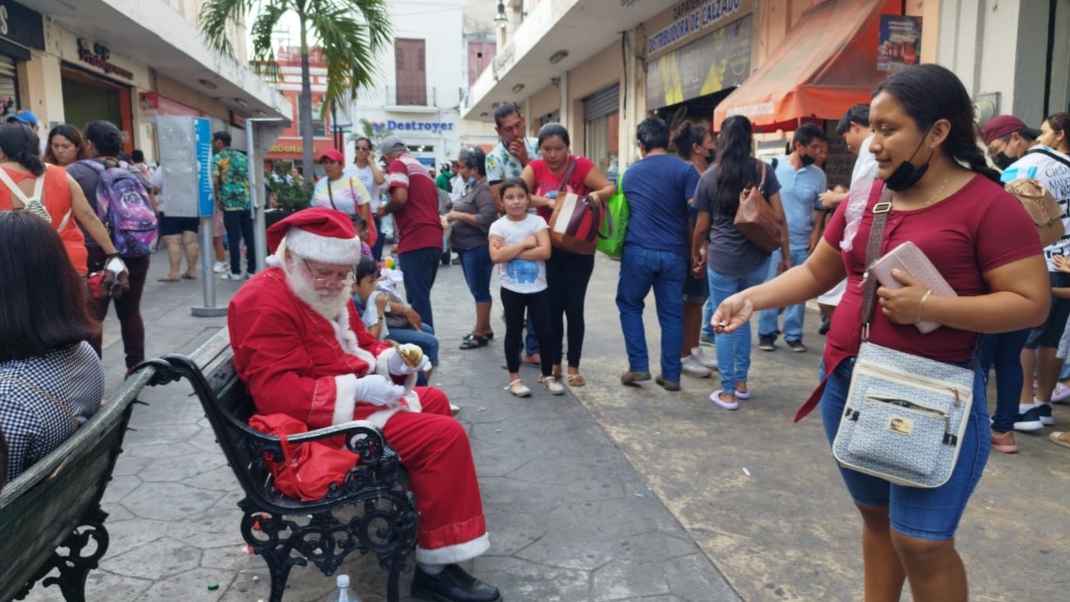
[[327, 303]]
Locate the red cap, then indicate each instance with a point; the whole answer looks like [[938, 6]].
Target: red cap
[[318, 234], [1002, 125], [333, 155]]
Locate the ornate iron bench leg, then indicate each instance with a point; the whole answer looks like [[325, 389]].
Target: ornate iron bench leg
[[74, 567], [397, 564]]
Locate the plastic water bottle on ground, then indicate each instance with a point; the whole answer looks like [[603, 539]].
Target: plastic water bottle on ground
[[343, 593]]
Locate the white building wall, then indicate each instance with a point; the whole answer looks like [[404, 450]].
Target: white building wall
[[440, 24]]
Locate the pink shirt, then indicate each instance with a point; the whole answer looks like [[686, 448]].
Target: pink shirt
[[546, 182]]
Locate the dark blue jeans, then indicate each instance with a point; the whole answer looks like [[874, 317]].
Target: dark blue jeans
[[239, 225], [377, 248], [419, 268], [1004, 351], [640, 270]]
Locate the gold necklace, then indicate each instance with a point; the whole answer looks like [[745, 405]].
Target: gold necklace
[[938, 191]]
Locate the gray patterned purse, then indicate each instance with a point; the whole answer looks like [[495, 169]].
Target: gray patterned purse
[[905, 415]]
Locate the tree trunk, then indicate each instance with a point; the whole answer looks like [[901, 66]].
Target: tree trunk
[[304, 109]]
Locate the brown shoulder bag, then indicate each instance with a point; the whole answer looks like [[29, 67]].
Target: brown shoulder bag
[[756, 219]]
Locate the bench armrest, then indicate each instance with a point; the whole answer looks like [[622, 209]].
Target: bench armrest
[[361, 437]]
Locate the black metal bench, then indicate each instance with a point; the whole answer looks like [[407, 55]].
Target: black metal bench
[[55, 504], [286, 531]]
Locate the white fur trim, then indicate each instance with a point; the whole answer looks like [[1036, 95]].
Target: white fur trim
[[345, 399], [379, 418], [382, 367], [455, 553], [273, 261], [323, 248]]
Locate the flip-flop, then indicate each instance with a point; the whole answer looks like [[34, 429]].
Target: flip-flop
[[166, 279], [715, 397], [1057, 439], [189, 276]]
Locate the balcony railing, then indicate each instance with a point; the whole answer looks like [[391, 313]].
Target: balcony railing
[[411, 96]]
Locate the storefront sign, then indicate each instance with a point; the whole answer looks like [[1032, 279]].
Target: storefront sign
[[21, 25], [413, 126], [710, 64], [900, 42], [98, 55], [693, 16]]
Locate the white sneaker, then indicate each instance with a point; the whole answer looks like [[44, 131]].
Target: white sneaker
[[1061, 393], [692, 367], [220, 267], [552, 386], [706, 360], [232, 277]]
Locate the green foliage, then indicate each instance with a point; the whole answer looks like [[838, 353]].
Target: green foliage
[[352, 33], [367, 130], [291, 193]]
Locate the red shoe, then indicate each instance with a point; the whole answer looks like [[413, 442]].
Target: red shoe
[[1004, 442]]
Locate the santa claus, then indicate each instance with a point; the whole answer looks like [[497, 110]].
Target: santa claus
[[301, 349]]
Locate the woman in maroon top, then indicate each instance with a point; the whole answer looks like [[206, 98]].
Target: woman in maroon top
[[567, 274], [948, 202]]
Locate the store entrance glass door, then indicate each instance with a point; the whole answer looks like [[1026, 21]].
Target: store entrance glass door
[[87, 99]]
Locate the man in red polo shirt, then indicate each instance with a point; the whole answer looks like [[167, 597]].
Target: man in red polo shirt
[[414, 203]]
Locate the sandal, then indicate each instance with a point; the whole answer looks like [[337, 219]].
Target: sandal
[[542, 378], [473, 341], [1060, 438], [518, 389], [189, 276], [575, 380], [169, 279]]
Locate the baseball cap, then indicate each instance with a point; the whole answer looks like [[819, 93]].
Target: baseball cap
[[23, 116], [392, 144], [334, 155], [1002, 125]]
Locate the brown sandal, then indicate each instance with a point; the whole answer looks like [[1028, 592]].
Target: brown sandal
[[576, 380]]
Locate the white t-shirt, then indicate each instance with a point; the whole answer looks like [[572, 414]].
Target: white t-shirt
[[865, 161], [1041, 164], [366, 177], [370, 315], [520, 275]]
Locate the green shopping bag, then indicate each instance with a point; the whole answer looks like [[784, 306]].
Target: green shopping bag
[[617, 215]]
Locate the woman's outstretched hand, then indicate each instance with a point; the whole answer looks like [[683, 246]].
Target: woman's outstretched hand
[[731, 314]]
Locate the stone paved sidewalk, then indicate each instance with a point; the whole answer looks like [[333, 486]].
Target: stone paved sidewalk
[[570, 519]]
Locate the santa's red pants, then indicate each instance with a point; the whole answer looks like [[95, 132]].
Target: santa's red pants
[[434, 449]]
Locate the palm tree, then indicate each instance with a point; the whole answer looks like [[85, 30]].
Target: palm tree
[[352, 34]]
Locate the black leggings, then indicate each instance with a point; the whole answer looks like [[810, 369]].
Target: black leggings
[[538, 309], [567, 276]]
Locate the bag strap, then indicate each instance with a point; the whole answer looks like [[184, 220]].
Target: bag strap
[[1046, 151], [568, 174], [330, 195], [59, 404], [33, 204], [873, 253]]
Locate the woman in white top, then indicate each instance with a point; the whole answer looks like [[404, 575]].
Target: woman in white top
[[345, 193], [372, 177]]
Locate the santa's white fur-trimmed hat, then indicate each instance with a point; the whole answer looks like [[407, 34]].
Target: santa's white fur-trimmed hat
[[319, 234]]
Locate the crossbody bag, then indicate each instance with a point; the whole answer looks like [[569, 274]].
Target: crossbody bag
[[905, 415], [373, 233]]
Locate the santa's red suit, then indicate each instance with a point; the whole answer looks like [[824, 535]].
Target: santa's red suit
[[295, 361]]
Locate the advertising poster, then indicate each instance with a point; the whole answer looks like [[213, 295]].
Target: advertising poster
[[716, 61], [205, 196], [899, 46]]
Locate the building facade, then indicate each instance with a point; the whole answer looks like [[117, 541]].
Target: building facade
[[125, 61], [704, 59], [420, 82], [290, 145]]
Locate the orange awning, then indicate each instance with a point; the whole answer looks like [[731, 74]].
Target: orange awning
[[826, 64]]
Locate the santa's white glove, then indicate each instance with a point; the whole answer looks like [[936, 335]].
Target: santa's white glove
[[378, 390], [397, 364], [115, 266]]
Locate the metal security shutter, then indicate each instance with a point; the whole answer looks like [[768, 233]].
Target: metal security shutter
[[8, 87], [603, 102]]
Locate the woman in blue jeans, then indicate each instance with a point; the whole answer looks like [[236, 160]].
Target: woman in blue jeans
[[732, 263], [1004, 352], [471, 217]]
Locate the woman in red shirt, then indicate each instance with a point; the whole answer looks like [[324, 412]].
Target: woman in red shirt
[[948, 202], [567, 274]]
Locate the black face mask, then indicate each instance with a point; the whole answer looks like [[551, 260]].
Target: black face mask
[[906, 175], [1002, 161], [807, 160]]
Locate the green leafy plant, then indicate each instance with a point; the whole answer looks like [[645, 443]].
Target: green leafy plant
[[291, 193], [352, 33]]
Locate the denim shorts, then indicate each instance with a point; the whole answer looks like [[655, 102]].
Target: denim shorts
[[696, 290], [916, 512]]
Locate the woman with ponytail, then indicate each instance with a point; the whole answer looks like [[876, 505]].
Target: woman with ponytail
[[59, 200], [948, 202]]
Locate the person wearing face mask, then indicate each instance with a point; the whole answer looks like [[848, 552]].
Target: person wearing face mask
[[939, 193], [801, 185], [1013, 147]]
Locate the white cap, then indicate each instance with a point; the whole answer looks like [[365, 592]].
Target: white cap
[[342, 581]]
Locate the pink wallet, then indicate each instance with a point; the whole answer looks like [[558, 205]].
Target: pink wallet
[[909, 258]]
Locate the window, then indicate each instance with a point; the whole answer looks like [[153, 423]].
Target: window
[[411, 73]]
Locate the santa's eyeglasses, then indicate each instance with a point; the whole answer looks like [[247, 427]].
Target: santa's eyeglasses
[[319, 280]]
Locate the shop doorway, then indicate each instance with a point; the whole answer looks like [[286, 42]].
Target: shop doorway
[[87, 98]]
